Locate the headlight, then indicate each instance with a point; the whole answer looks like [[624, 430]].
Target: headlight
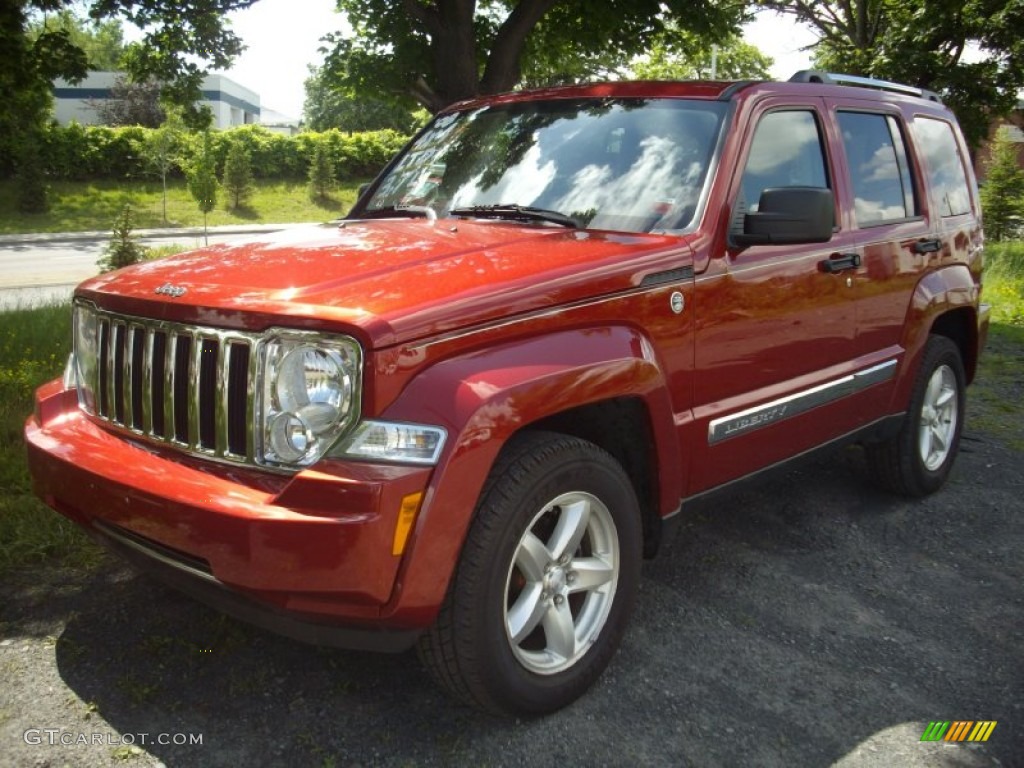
[[86, 364], [310, 395]]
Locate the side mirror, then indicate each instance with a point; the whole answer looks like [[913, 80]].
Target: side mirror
[[789, 216]]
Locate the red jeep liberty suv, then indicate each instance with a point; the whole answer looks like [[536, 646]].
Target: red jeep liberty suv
[[459, 418]]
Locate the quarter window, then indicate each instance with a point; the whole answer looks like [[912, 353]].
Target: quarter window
[[883, 189], [946, 173]]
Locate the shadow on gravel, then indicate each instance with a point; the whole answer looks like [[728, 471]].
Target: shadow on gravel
[[803, 621]]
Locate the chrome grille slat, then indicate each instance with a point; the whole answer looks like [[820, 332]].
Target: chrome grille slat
[[250, 407], [104, 369], [179, 393], [195, 362], [188, 386], [117, 338], [223, 395], [147, 382], [133, 396]]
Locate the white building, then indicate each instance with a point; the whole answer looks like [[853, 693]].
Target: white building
[[278, 122], [231, 103]]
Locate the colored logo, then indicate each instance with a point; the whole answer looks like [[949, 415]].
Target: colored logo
[[959, 730]]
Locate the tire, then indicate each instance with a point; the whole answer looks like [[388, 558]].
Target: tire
[[917, 460], [546, 582]]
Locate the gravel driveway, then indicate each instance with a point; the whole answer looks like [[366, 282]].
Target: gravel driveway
[[805, 620]]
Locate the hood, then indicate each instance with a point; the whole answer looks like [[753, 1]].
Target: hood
[[388, 280]]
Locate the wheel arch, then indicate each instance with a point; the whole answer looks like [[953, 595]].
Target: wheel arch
[[622, 427], [603, 385], [959, 326], [944, 303]]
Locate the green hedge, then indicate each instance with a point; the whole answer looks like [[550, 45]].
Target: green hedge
[[87, 153]]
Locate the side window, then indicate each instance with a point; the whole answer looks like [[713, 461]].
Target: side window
[[883, 189], [946, 173], [786, 152]]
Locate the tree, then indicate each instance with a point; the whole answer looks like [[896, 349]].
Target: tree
[[923, 43], [102, 41], [682, 55], [202, 181], [440, 52], [329, 106], [123, 250], [237, 180], [321, 173], [179, 39], [162, 148], [131, 104], [33, 191], [1002, 194], [27, 68]]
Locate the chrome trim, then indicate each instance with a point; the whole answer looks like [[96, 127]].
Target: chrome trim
[[875, 374], [147, 384], [222, 393], [737, 424], [116, 336]]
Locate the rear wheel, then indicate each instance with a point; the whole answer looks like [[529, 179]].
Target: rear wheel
[[547, 580], [918, 459]]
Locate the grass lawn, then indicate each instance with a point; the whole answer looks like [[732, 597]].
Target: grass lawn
[[34, 344], [86, 206]]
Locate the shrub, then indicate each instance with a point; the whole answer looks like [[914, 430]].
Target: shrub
[[33, 192], [321, 174], [86, 153], [123, 249], [237, 179], [202, 178]]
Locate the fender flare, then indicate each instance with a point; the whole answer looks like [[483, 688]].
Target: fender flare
[[941, 291], [483, 399]]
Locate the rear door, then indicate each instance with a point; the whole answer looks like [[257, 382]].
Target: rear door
[[894, 235]]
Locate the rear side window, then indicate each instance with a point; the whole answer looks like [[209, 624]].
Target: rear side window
[[946, 174], [883, 189], [786, 152]]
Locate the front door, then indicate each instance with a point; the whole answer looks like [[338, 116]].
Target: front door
[[775, 325]]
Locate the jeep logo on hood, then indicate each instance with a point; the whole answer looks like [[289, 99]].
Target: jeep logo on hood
[[174, 291]]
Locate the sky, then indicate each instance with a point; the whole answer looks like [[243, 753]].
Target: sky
[[283, 38]]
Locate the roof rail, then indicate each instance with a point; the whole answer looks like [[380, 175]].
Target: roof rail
[[832, 78]]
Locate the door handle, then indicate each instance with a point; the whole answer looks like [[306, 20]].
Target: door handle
[[925, 245], [838, 262]]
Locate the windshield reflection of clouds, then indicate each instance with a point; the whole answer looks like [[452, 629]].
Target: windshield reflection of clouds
[[521, 184], [655, 181], [631, 165]]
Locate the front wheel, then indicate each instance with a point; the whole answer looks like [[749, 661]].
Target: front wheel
[[547, 579], [918, 459]]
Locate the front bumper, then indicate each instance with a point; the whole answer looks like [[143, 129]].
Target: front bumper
[[308, 555]]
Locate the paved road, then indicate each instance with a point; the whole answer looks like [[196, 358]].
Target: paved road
[[37, 269]]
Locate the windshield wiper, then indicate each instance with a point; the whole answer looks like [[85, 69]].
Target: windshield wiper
[[413, 211], [515, 213]]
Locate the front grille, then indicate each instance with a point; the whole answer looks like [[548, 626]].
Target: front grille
[[188, 386]]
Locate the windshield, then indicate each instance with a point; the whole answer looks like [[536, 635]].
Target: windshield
[[634, 165]]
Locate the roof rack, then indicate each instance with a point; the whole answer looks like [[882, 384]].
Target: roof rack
[[832, 78]]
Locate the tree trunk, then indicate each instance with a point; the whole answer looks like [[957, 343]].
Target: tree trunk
[[503, 65], [450, 25]]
